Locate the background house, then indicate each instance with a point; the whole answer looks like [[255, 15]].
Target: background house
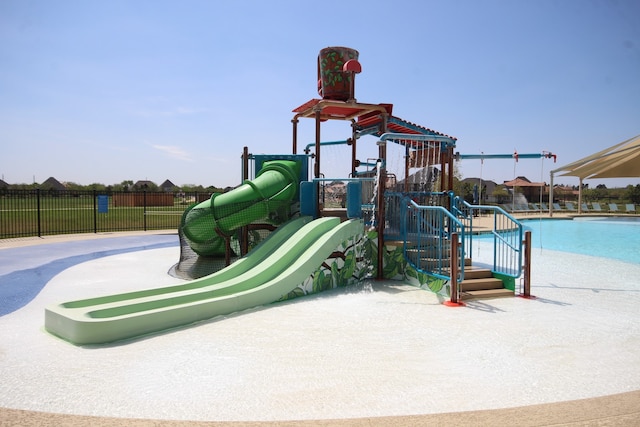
[[144, 185], [532, 191], [52, 184], [486, 189], [168, 187]]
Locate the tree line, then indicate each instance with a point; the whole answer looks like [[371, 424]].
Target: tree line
[[631, 193], [124, 186]]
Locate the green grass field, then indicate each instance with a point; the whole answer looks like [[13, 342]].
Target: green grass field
[[29, 215]]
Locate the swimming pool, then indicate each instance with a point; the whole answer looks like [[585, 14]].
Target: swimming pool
[[608, 237]]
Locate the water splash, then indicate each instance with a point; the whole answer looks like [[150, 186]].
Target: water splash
[[363, 287], [517, 199]]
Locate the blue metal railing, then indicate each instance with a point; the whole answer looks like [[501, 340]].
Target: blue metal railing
[[425, 231], [425, 221], [506, 231]]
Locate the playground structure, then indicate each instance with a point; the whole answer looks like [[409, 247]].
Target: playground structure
[[286, 242]]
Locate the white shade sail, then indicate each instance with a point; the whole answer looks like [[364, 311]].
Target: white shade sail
[[620, 161]]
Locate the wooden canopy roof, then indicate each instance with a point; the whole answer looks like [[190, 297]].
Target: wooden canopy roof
[[369, 119]]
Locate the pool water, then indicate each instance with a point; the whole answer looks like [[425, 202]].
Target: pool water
[[615, 238]]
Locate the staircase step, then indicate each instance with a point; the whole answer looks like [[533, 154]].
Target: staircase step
[[429, 252], [472, 272], [486, 293], [445, 263], [481, 284]]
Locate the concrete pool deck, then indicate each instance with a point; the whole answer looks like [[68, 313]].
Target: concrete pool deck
[[380, 354]]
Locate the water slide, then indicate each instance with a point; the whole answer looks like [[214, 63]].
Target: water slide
[[273, 269], [269, 195]]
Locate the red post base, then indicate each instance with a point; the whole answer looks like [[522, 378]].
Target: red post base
[[450, 303]]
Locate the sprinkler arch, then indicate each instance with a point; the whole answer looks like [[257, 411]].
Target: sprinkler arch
[[514, 156]]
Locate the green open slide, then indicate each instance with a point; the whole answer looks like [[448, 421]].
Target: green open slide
[[273, 269]]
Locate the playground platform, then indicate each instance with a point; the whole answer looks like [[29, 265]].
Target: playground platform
[[383, 353]]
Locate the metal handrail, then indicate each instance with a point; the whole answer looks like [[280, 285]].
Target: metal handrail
[[426, 235], [506, 230]]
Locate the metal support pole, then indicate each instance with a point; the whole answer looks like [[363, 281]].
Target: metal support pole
[[295, 134], [551, 195], [244, 231], [316, 168], [382, 154], [526, 292], [381, 220], [454, 301], [406, 168], [317, 162], [227, 251], [245, 163], [354, 153], [450, 158], [580, 196]]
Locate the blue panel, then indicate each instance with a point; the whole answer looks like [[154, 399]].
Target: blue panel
[[354, 199], [103, 203], [308, 198]]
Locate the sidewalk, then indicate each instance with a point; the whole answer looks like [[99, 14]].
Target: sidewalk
[[32, 241], [620, 410]]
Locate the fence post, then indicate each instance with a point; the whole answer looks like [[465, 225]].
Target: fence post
[[38, 210], [454, 260], [382, 177], [526, 292], [144, 209], [244, 231], [95, 212]]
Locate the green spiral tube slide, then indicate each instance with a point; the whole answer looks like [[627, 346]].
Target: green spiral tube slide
[[205, 225]]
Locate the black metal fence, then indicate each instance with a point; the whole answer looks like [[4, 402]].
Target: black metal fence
[[27, 213]]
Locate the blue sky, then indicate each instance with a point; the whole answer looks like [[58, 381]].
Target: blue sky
[[106, 91]]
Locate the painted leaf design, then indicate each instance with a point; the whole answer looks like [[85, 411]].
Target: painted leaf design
[[435, 284], [371, 252], [390, 270], [326, 283], [348, 268], [297, 292], [411, 272], [398, 257], [422, 277], [335, 272], [318, 280]]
